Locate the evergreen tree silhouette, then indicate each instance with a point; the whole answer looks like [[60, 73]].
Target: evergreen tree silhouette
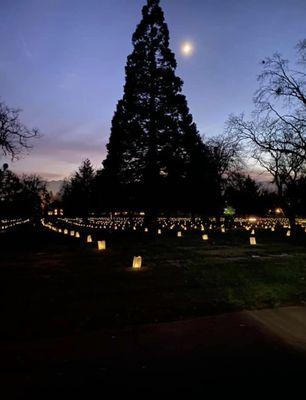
[[77, 192], [156, 157]]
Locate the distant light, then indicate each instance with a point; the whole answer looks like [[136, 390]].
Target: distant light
[[187, 49]]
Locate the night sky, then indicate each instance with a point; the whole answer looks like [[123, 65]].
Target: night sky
[[62, 62]]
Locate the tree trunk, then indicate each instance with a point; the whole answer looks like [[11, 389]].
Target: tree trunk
[[292, 222]]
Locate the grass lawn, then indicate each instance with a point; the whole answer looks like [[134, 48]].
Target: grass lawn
[[53, 285]]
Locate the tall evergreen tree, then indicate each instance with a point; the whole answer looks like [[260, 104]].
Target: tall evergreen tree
[[156, 159], [77, 192]]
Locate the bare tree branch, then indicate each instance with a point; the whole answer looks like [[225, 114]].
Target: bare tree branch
[[14, 136]]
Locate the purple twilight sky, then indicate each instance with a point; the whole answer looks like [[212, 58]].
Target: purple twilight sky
[[62, 62]]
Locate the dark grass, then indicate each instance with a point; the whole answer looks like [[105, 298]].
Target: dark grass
[[53, 285]]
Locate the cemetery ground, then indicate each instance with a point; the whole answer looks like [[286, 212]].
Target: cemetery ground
[[71, 314]]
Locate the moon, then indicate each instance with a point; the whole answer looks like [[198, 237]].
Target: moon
[[187, 49]]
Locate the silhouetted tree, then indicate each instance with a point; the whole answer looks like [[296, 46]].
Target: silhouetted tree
[[77, 192], [245, 195], [296, 192], [34, 196], [156, 159], [276, 134], [14, 136], [226, 153], [10, 190], [21, 197], [227, 158], [285, 168], [279, 118]]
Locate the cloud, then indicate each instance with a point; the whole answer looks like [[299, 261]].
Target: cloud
[[69, 147], [59, 152]]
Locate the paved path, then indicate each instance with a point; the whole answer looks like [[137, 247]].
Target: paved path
[[243, 345], [287, 323]]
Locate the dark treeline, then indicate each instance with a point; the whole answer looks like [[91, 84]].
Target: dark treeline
[[84, 194], [24, 196]]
